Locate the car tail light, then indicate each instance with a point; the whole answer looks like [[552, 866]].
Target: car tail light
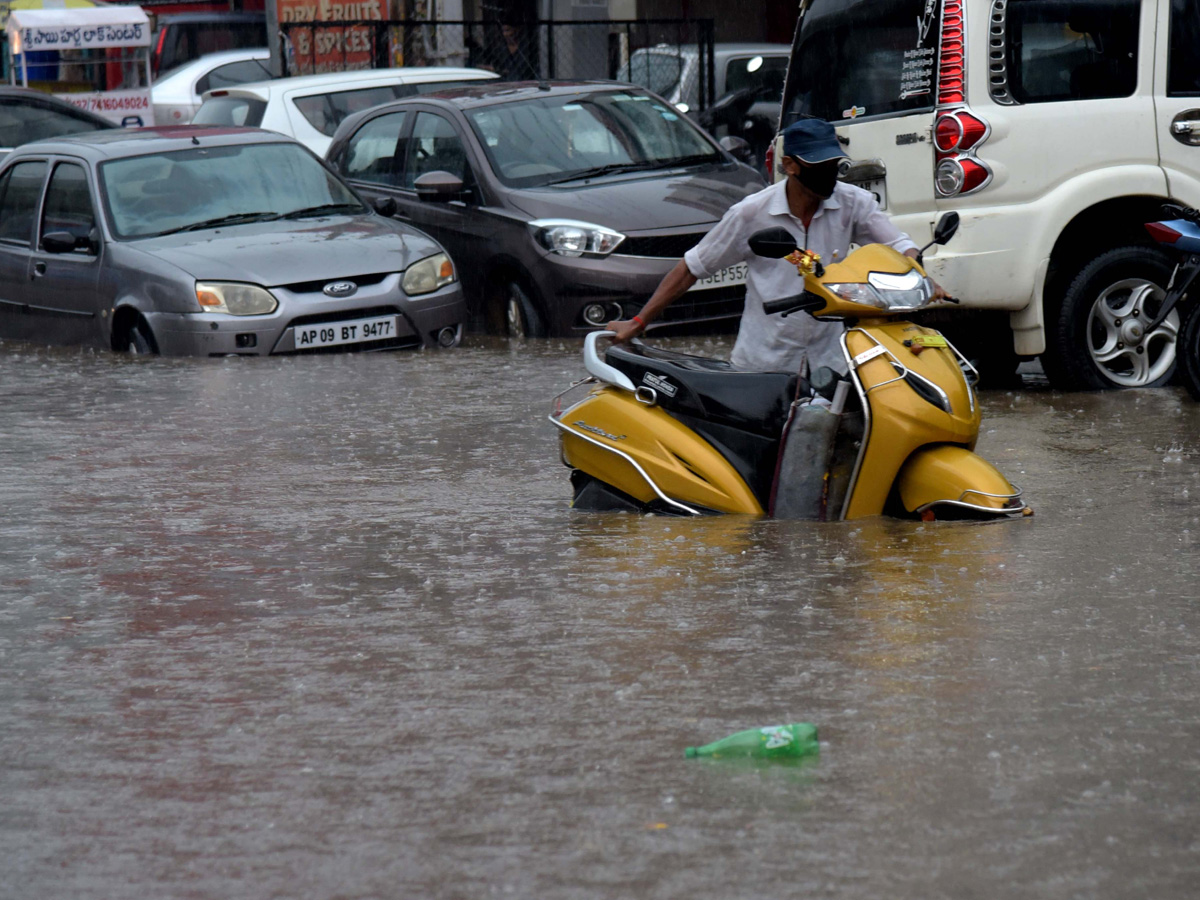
[[770, 162], [957, 132], [975, 174], [974, 130], [1164, 234]]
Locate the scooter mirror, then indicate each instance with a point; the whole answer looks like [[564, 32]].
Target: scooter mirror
[[773, 243], [946, 227]]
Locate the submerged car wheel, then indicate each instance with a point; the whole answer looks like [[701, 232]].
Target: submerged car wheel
[[138, 340], [1101, 339], [521, 319]]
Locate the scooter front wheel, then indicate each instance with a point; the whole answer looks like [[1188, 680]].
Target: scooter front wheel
[[949, 481]]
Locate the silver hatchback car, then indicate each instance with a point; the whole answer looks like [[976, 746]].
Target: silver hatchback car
[[209, 242]]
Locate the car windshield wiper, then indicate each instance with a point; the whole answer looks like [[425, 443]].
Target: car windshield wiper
[[693, 160], [611, 169], [323, 209], [234, 219]]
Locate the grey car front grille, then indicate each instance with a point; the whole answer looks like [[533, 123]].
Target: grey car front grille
[[314, 287]]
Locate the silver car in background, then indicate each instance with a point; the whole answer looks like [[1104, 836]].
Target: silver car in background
[[209, 242], [176, 95]]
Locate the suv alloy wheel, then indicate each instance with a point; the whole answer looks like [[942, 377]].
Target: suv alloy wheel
[[1100, 339]]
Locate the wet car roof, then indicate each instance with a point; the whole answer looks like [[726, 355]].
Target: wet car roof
[[122, 142], [492, 92]]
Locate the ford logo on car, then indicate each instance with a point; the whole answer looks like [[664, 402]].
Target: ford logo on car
[[340, 288]]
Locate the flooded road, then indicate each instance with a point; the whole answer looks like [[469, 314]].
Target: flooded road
[[326, 627]]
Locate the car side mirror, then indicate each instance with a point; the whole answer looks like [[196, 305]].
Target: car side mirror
[[739, 148], [438, 187], [773, 243], [58, 242], [385, 206], [946, 227]]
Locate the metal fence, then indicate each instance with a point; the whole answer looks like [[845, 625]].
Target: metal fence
[[673, 57]]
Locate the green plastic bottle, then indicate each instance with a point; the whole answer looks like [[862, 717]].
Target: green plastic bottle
[[772, 742]]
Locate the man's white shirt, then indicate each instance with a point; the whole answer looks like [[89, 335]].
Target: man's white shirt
[[771, 343]]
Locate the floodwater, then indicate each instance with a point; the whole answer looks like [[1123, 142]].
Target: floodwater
[[326, 628]]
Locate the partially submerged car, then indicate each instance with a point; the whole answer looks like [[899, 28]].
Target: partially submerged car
[[571, 200], [209, 242]]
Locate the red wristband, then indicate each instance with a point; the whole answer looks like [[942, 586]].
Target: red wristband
[[638, 319]]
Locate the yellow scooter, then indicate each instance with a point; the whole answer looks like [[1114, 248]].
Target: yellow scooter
[[666, 432]]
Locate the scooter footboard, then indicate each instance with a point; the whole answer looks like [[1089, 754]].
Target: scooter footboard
[[953, 480]]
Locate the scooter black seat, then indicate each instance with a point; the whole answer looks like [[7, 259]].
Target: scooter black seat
[[710, 388]]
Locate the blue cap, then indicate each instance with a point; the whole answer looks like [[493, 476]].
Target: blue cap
[[811, 140]]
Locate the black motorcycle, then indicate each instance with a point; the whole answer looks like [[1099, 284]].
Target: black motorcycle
[[1179, 233]]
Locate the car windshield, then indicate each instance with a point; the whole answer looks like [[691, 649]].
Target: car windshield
[[188, 189], [855, 58], [655, 70], [531, 143]]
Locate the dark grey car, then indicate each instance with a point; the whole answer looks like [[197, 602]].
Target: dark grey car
[[201, 241], [564, 204], [28, 115]]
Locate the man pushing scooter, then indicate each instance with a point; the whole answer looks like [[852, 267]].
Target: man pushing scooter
[[824, 216]]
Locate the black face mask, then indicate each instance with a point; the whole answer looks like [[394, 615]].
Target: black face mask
[[820, 179]]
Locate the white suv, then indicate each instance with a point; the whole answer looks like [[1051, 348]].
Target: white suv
[[1056, 128]]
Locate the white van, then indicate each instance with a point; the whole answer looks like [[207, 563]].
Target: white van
[[1056, 128]]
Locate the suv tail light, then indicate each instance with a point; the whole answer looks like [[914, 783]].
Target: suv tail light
[[957, 132]]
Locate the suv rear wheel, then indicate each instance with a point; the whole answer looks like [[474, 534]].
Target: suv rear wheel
[[1099, 340]]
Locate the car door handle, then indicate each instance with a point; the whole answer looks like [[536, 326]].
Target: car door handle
[[39, 269], [1185, 127], [857, 170]]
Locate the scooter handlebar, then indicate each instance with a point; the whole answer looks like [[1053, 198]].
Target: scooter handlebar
[[805, 302], [597, 367]]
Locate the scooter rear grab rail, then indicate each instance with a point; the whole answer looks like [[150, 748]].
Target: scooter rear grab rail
[[597, 367]]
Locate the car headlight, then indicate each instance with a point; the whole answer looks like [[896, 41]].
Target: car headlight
[[883, 290], [569, 238], [234, 299], [428, 275]]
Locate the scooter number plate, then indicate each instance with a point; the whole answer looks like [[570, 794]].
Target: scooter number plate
[[867, 355]]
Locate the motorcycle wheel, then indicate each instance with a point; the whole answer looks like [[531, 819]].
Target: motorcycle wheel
[[1188, 350], [1098, 341]]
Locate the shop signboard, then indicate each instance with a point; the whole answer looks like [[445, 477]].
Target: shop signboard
[[335, 48]]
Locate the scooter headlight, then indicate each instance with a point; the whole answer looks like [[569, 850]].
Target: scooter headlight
[[884, 290]]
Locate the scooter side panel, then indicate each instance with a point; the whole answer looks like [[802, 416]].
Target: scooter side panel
[[949, 474], [901, 419], [610, 425]]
